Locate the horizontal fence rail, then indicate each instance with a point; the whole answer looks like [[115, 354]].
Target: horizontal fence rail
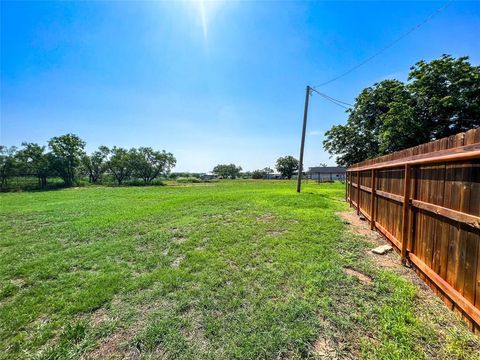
[[426, 201]]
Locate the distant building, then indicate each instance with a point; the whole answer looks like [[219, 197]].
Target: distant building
[[326, 173], [273, 176], [208, 176]]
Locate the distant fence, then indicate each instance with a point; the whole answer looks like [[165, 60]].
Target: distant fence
[[426, 201]]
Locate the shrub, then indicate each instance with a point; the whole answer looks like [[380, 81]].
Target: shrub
[[189, 180]]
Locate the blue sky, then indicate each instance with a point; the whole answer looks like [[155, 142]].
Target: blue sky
[[214, 83]]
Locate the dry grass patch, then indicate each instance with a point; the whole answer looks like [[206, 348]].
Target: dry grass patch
[[176, 263], [275, 232], [325, 349], [113, 346], [266, 218]]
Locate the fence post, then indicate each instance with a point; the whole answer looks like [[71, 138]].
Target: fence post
[[406, 204], [374, 185], [350, 188], [346, 188], [358, 192], [413, 191]]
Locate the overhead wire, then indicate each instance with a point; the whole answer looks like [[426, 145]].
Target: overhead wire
[[333, 100], [388, 46]]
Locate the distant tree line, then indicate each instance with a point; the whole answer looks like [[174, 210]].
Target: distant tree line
[[441, 98], [286, 166], [65, 157], [262, 174]]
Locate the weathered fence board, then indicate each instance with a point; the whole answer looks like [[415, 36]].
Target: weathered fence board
[[426, 201]]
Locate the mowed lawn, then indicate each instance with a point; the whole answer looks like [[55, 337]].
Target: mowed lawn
[[228, 270]]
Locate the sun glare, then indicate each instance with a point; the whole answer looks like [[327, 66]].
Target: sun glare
[[203, 16]]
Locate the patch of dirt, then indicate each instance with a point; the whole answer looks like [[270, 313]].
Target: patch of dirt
[[266, 218], [428, 306], [325, 349], [76, 269], [332, 344], [41, 321], [225, 219], [195, 332], [99, 316], [142, 248], [116, 345], [362, 277], [176, 263], [361, 227], [276, 232], [390, 260], [179, 239], [110, 348], [19, 282]]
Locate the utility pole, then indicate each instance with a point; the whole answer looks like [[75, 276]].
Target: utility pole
[[305, 114]]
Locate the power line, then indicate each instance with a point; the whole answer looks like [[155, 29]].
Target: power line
[[329, 97], [335, 101], [308, 92], [394, 42]]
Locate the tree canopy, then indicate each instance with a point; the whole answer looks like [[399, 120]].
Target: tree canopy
[[442, 98], [68, 160], [149, 164], [95, 164], [227, 171], [33, 160], [7, 163], [287, 166], [67, 150]]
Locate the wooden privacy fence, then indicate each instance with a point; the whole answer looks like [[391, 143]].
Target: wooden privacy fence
[[426, 201]]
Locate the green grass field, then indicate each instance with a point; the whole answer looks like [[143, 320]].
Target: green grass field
[[228, 270]]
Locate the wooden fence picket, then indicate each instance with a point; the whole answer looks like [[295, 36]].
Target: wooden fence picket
[[426, 201]]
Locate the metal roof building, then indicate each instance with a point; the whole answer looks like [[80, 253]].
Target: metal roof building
[[326, 173]]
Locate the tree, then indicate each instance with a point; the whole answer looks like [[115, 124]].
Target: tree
[[287, 166], [377, 124], [441, 99], [263, 173], [95, 164], [8, 164], [34, 161], [149, 164], [447, 95], [67, 151], [245, 175], [119, 163], [258, 174], [227, 171], [267, 171]]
